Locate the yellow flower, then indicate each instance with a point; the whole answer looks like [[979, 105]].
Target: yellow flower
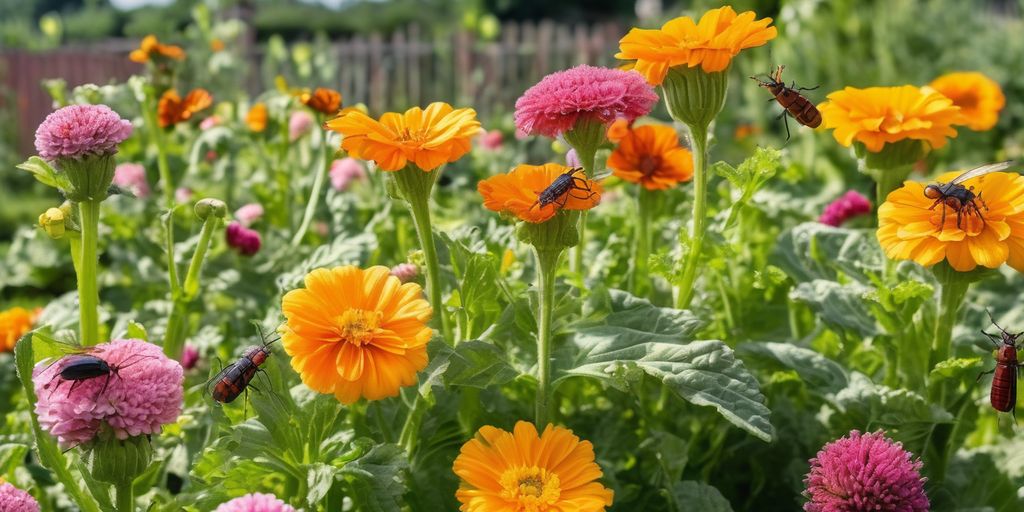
[[256, 118], [520, 471], [979, 97], [651, 156], [911, 229], [710, 43], [877, 116], [14, 323], [150, 47], [356, 333], [426, 137]]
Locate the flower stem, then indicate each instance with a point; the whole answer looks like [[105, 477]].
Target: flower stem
[[953, 289], [641, 284], [191, 287], [125, 497], [319, 171], [685, 288], [547, 265], [410, 430], [182, 295], [156, 138], [88, 292]]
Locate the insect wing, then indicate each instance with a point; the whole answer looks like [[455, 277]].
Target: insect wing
[[981, 171], [601, 174]]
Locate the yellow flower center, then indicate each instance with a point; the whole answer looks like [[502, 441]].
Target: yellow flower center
[[357, 326], [413, 136], [530, 489]]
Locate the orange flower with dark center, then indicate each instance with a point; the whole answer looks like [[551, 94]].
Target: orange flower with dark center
[[256, 118], [150, 48], [979, 97], [356, 333], [14, 323], [173, 110], [877, 116], [910, 228], [427, 137], [519, 192], [617, 130], [323, 100], [651, 156], [710, 43], [521, 471]]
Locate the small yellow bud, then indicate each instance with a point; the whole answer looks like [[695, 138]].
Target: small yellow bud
[[52, 221]]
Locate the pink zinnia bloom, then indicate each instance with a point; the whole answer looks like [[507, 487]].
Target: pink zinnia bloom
[[865, 472], [249, 214], [182, 194], [492, 140], [13, 499], [255, 502], [299, 124], [132, 177], [77, 131], [405, 272], [141, 394], [559, 100], [189, 356], [345, 171], [245, 240], [572, 159], [850, 205], [209, 122]]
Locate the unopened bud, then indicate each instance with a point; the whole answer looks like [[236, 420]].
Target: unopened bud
[[52, 221], [210, 206]]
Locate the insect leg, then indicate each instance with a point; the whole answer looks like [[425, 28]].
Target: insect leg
[[588, 196], [564, 198], [576, 184], [982, 201], [785, 120], [977, 211], [993, 338], [807, 88], [982, 374], [942, 223]]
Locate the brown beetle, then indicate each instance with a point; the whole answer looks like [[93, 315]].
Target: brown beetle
[[796, 104], [1004, 380]]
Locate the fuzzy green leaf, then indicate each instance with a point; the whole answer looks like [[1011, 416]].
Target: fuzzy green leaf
[[840, 305], [375, 480], [475, 364], [817, 371], [691, 495]]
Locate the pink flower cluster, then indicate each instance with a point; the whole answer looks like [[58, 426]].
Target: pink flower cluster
[[405, 272], [559, 100], [491, 140], [132, 177], [865, 472], [77, 131], [13, 499], [851, 204], [243, 239], [345, 171], [248, 214], [255, 502], [142, 393], [299, 124]]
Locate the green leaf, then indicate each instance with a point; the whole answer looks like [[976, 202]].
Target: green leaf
[[319, 479], [375, 480], [817, 371], [964, 370], [341, 251], [698, 496], [840, 305], [43, 172], [813, 250], [475, 364], [137, 331]]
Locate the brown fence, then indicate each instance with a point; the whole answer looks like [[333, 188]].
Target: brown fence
[[406, 68]]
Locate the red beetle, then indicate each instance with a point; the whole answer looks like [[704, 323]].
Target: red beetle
[[1004, 380], [235, 378]]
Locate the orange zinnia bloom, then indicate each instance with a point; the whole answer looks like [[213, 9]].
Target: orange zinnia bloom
[[356, 333], [323, 100], [14, 323], [518, 192], [256, 118], [910, 230], [520, 471], [651, 155], [617, 130], [426, 137], [172, 109], [979, 97], [150, 47], [877, 116], [710, 43]]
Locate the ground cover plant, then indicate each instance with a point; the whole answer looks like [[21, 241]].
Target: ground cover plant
[[636, 293]]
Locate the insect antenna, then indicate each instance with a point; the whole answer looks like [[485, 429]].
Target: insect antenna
[[993, 319]]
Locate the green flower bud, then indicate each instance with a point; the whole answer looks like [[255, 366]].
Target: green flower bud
[[555, 234], [893, 155], [117, 461], [211, 206], [89, 178], [695, 97], [52, 221]]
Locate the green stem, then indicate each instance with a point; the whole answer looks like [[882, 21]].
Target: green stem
[[125, 497], [191, 287], [685, 288], [88, 291], [416, 186], [547, 266], [410, 430], [156, 138], [181, 297], [952, 290], [585, 137], [641, 280], [319, 170]]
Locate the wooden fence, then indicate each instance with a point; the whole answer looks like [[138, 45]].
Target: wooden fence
[[394, 72]]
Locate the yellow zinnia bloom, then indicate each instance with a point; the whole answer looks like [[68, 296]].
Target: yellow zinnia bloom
[[356, 333], [426, 137], [877, 116], [256, 118], [979, 97], [710, 43], [150, 47], [14, 323], [911, 229], [520, 471]]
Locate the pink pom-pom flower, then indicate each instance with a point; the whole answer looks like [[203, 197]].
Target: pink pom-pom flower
[[182, 194], [255, 502], [299, 124], [132, 177], [142, 393], [492, 140], [189, 356], [13, 499], [405, 272], [559, 100], [77, 131], [850, 205], [865, 472], [246, 241], [344, 171], [249, 214]]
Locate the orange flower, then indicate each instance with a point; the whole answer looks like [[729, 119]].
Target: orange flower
[[427, 138], [710, 43], [979, 97], [520, 471], [746, 130], [323, 100], [356, 333], [172, 109], [877, 116], [216, 45], [14, 323], [150, 47], [617, 130], [256, 118], [651, 155], [518, 192], [909, 229]]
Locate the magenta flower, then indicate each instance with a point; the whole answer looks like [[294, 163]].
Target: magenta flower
[[344, 172], [405, 272], [249, 214], [299, 124], [850, 205], [559, 100], [865, 472], [132, 177], [13, 499], [255, 502], [189, 356], [141, 394], [77, 131], [243, 239]]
